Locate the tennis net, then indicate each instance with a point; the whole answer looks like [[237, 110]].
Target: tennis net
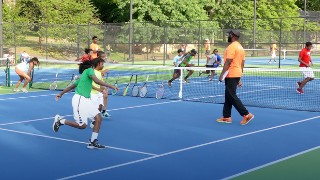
[[270, 88], [4, 72]]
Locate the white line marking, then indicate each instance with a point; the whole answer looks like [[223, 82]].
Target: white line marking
[[108, 110], [192, 147], [50, 137], [23, 92], [271, 163], [24, 97]]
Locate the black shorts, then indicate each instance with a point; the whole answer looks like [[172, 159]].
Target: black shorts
[[209, 66], [177, 71]]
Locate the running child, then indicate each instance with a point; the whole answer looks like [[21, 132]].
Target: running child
[[273, 52], [176, 62], [21, 71], [305, 59], [212, 62], [104, 112], [83, 107]]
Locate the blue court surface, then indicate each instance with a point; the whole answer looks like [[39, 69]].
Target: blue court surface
[[146, 139]]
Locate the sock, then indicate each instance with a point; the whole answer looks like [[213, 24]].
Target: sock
[[94, 136], [103, 111], [186, 77], [63, 121]]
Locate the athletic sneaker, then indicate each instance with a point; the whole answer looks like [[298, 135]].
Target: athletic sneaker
[[275, 62], [56, 123], [106, 114], [200, 72], [246, 119], [299, 84], [224, 120], [269, 62], [300, 91], [95, 145], [16, 90], [24, 90], [186, 80], [210, 79], [92, 124], [169, 84]]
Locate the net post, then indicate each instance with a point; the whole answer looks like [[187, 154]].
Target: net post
[[284, 54], [8, 73], [181, 83], [30, 83]]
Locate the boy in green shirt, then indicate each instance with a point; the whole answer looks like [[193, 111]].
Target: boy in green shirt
[[83, 107]]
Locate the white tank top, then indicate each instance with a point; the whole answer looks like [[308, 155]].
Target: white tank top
[[24, 66]]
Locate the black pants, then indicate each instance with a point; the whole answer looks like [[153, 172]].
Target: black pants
[[231, 98]]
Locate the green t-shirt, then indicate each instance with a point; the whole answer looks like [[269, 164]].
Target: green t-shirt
[[98, 74], [188, 58], [84, 84]]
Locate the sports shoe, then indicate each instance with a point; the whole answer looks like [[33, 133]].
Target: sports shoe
[[169, 84], [92, 124], [106, 114], [16, 90], [200, 72], [95, 145], [186, 80], [210, 79], [24, 90], [299, 84], [224, 120], [275, 62], [246, 119], [269, 62], [300, 91], [56, 123]]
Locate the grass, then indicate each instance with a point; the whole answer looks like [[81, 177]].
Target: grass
[[7, 90]]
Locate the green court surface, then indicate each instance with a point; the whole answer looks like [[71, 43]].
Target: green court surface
[[301, 167], [8, 90]]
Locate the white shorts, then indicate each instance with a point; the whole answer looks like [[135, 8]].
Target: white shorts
[[97, 99], [307, 72], [273, 55], [83, 108]]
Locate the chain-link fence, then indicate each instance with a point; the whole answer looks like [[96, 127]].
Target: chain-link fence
[[156, 43]]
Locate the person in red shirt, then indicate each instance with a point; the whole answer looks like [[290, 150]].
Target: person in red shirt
[[87, 57], [305, 59]]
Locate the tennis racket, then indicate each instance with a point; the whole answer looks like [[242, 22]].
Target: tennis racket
[[54, 84], [143, 90], [71, 81], [135, 89], [126, 89], [224, 76], [114, 92], [160, 91]]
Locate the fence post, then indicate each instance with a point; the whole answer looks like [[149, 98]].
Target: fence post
[[104, 38], [89, 36], [78, 43], [132, 43], [148, 43], [15, 43], [280, 43], [47, 41], [164, 43], [199, 42]]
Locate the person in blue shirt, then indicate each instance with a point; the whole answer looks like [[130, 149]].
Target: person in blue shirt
[[176, 62]]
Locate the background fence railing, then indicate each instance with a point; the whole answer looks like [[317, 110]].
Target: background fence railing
[[155, 42]]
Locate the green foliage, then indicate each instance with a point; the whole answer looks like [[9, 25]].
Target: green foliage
[[312, 5]]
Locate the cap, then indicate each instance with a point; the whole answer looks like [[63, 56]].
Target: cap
[[179, 50], [194, 51], [235, 32], [206, 39]]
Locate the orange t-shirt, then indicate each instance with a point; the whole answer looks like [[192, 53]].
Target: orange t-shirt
[[208, 46], [94, 47], [273, 47], [235, 52]]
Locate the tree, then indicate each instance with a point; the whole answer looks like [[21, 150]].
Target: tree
[[312, 5], [105, 8]]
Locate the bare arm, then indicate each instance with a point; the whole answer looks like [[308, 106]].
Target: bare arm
[[311, 62], [101, 83], [30, 69], [64, 91], [78, 59], [98, 89], [300, 60]]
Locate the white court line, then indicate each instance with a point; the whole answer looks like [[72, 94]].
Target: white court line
[[23, 92], [271, 163], [131, 107], [24, 97], [192, 147], [50, 137]]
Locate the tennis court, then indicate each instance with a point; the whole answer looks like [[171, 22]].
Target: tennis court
[[168, 138]]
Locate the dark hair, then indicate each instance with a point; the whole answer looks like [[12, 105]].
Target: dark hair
[[84, 65], [99, 53], [215, 50], [34, 59], [96, 61], [94, 37], [87, 50], [180, 50], [308, 43]]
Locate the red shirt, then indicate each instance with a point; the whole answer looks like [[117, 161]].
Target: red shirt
[[305, 56], [86, 58]]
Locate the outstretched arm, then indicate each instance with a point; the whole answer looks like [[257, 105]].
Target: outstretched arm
[[64, 91]]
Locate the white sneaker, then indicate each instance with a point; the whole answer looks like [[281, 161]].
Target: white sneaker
[[200, 72], [24, 90], [16, 90], [275, 62], [92, 124], [269, 62]]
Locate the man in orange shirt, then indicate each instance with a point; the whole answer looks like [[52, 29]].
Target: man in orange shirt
[[273, 52], [207, 47], [234, 58], [95, 47]]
